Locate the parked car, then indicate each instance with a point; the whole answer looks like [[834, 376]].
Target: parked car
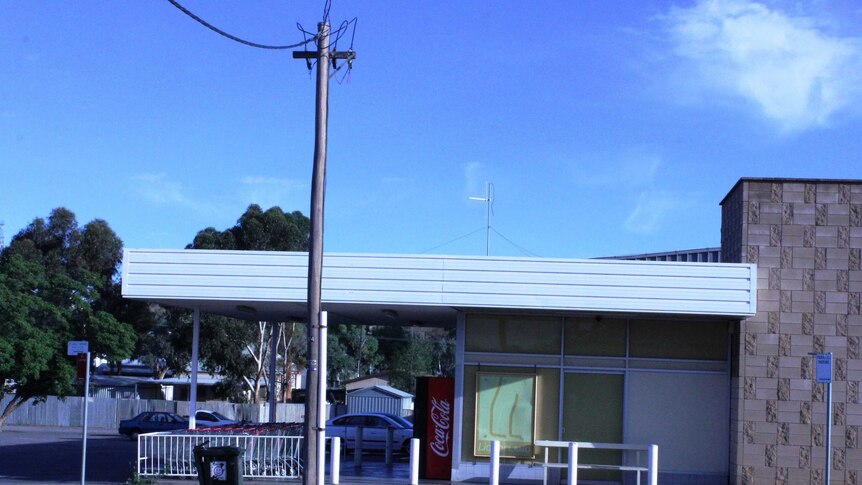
[[151, 422], [375, 426], [207, 419]]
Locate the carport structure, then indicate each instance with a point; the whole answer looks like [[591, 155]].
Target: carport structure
[[600, 344]]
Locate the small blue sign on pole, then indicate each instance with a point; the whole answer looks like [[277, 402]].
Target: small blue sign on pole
[[823, 374], [823, 369]]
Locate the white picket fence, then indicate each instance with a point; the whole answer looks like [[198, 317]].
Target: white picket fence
[[172, 455]]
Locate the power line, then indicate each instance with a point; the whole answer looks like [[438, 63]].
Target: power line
[[233, 37]]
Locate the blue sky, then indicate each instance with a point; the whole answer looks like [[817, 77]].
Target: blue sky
[[607, 128]]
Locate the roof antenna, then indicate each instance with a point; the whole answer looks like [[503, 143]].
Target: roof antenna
[[488, 199]]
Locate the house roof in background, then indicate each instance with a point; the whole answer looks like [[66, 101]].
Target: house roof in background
[[379, 389]]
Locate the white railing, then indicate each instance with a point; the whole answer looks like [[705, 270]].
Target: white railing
[[172, 455], [645, 459]]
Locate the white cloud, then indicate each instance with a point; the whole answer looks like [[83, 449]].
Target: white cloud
[[795, 72], [272, 191], [651, 210], [474, 179], [156, 188]]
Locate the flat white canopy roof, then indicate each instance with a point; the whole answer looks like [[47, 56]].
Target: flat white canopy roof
[[430, 290]]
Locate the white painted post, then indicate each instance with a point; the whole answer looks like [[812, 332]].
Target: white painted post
[[321, 399], [653, 465], [86, 422], [335, 456], [494, 476], [573, 464], [414, 461]]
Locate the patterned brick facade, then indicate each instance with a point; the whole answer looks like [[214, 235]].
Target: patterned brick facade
[[805, 236]]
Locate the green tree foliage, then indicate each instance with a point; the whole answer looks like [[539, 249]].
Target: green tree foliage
[[256, 230], [409, 362], [236, 350], [352, 351], [56, 284], [429, 352], [162, 347]]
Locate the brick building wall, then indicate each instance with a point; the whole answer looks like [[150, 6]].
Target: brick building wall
[[805, 236]]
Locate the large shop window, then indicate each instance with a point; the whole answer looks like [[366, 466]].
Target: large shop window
[[656, 339], [513, 334], [595, 337]]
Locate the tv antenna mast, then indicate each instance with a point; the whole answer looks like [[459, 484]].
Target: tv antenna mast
[[488, 199]]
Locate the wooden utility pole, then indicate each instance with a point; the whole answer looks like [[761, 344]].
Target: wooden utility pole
[[313, 432]]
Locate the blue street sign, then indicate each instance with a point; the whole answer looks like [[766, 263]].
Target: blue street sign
[[824, 368]]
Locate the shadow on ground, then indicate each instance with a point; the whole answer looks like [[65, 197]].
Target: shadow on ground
[[58, 459]]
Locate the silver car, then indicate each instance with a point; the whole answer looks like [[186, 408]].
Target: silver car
[[374, 426]]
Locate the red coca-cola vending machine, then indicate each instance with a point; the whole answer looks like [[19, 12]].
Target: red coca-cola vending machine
[[433, 424]]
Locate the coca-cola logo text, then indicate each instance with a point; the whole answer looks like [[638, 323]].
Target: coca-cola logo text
[[441, 417]]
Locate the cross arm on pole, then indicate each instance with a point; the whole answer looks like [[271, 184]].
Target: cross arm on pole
[[348, 55]]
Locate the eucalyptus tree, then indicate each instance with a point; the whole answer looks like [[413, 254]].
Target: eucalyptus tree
[[238, 350], [58, 282]]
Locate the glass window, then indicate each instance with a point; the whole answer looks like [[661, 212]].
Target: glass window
[[354, 421], [513, 334], [595, 337], [376, 422], [678, 340]]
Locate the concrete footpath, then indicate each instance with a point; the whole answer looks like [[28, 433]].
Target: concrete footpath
[[35, 455]]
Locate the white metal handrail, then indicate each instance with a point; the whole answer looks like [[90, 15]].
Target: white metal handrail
[[572, 464], [168, 454]]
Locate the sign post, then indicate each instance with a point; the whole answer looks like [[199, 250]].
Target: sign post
[[80, 349], [823, 373]]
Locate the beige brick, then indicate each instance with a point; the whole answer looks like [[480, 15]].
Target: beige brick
[[791, 284], [787, 461], [767, 306], [752, 449], [836, 297], [803, 253], [804, 218], [800, 384], [824, 319], [802, 306], [839, 219], [836, 308], [836, 342], [798, 475]]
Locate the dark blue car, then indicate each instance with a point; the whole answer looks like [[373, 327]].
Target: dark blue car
[[152, 421]]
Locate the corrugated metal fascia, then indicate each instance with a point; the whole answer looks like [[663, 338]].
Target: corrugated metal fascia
[[594, 285]]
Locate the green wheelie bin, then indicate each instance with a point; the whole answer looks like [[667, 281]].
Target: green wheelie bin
[[219, 465]]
